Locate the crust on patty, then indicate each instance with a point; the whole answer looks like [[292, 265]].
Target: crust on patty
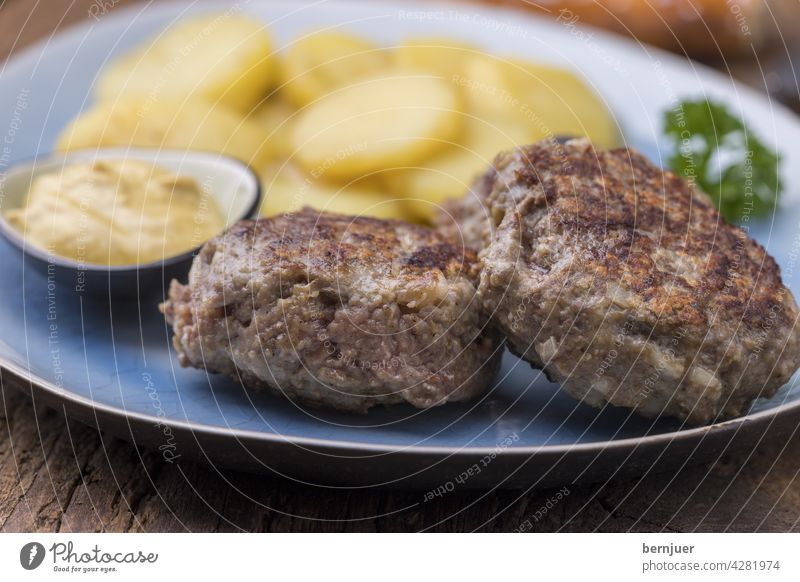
[[624, 283], [336, 311]]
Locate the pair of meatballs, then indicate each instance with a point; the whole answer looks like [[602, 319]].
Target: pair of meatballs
[[619, 280]]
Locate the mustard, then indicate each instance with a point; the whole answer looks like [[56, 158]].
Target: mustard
[[116, 213]]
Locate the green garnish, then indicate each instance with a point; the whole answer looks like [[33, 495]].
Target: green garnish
[[715, 150]]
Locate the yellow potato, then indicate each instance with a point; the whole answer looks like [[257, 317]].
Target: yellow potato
[[559, 103], [275, 117], [317, 64], [550, 101], [382, 122], [221, 58], [191, 125], [440, 55], [450, 173], [489, 85], [287, 189]]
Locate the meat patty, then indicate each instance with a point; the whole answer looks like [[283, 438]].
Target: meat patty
[[465, 221], [624, 284], [337, 311]]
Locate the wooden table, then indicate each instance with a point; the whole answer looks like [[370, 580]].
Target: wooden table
[[58, 475]]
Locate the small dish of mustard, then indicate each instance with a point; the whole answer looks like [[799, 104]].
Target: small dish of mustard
[[123, 221]]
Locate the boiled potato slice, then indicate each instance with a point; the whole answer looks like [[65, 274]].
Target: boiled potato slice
[[382, 122], [317, 64], [287, 189], [440, 55], [221, 58], [551, 101], [450, 173], [565, 105], [275, 117], [191, 125], [489, 86]]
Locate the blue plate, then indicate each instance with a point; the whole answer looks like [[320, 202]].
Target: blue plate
[[112, 365]]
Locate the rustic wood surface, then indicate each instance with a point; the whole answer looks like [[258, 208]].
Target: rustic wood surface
[[59, 475]]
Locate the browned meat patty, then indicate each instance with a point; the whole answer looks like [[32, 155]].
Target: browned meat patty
[[625, 285], [337, 311]]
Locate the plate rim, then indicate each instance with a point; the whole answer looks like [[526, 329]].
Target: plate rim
[[101, 410], [107, 410]]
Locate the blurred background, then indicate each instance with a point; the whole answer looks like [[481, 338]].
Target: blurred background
[[756, 41]]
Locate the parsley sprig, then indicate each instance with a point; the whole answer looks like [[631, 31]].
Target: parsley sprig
[[716, 150]]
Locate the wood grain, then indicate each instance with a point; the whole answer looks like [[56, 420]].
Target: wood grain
[[58, 475]]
